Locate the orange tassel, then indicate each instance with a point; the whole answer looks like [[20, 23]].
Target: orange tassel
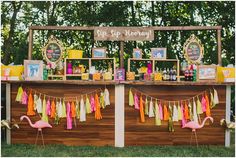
[[186, 111], [141, 110], [208, 112], [166, 114], [98, 115], [30, 111], [53, 109], [73, 109]]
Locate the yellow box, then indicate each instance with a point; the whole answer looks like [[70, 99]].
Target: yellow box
[[96, 76], [130, 76], [107, 76], [15, 70], [75, 54], [85, 76], [158, 76], [225, 74]]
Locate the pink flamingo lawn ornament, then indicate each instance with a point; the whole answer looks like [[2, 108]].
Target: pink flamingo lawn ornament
[[39, 125], [193, 125]]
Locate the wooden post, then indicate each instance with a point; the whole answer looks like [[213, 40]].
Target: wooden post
[[119, 115], [219, 46], [8, 110], [30, 50], [227, 115], [121, 54]]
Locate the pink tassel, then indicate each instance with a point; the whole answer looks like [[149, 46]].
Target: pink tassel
[[24, 99], [92, 103], [68, 116], [160, 111], [136, 101], [203, 104], [48, 108], [183, 119]]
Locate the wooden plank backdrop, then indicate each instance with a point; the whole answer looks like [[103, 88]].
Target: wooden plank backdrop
[[137, 133], [92, 132]]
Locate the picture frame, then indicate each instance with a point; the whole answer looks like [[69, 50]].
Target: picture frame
[[33, 69], [137, 53], [53, 51], [193, 50], [99, 53], [120, 74], [207, 73], [158, 53]]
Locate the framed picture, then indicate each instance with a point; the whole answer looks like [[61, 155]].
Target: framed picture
[[137, 53], [193, 50], [120, 74], [206, 73], [99, 53], [158, 53], [53, 51], [33, 69]]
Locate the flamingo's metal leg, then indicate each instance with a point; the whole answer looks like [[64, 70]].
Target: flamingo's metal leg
[[191, 137], [36, 137], [196, 137], [42, 137]]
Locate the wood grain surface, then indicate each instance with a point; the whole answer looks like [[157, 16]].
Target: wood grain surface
[[101, 133], [92, 132], [137, 133]]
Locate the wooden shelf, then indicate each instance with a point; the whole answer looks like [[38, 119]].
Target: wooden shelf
[[153, 64], [90, 60], [55, 75], [77, 58], [102, 58], [135, 59], [79, 82], [73, 75]]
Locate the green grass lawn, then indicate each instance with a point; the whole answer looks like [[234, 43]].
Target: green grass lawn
[[107, 151]]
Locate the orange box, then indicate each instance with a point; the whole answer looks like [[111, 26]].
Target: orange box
[[96, 76]]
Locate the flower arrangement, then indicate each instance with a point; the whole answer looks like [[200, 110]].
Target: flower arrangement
[[51, 67]]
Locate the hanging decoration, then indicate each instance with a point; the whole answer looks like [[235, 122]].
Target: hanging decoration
[[173, 110], [24, 99], [141, 110], [151, 112], [107, 97], [68, 116], [30, 111], [44, 112], [98, 115], [19, 94], [131, 98], [82, 110], [63, 107]]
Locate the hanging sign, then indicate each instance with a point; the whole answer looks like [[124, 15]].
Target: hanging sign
[[193, 50], [53, 50], [123, 34]]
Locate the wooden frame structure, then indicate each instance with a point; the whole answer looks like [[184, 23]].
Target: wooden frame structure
[[155, 28], [121, 128]]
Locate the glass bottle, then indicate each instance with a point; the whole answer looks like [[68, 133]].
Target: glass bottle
[[174, 75], [167, 74], [164, 74]]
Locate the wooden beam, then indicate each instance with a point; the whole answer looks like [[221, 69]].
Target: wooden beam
[[227, 115], [85, 28], [8, 110], [121, 54], [119, 115], [219, 46], [170, 28], [30, 49], [91, 28]]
